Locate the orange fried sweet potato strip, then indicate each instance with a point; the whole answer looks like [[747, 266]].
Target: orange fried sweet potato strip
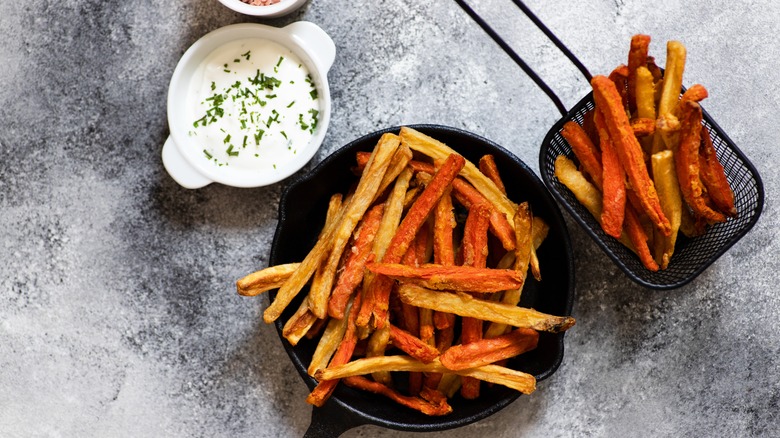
[[713, 176], [643, 127], [382, 286], [586, 152], [637, 57], [352, 274], [696, 93], [320, 394], [487, 165], [443, 248], [474, 247], [687, 163], [455, 278], [469, 197], [412, 345], [636, 234], [429, 402], [614, 180], [619, 77], [629, 151], [487, 351]]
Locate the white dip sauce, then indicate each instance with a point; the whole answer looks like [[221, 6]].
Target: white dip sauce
[[252, 105]]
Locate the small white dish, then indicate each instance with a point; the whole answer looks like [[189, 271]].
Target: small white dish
[[184, 161], [284, 7]]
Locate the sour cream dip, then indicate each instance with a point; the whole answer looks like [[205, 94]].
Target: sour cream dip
[[252, 104]]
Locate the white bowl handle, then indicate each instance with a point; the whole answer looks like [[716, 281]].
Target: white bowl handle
[[180, 170], [323, 48]]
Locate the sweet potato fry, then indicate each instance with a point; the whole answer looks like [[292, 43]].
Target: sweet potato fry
[[457, 278], [394, 206], [465, 305], [412, 345], [352, 274], [614, 181], [619, 78], [487, 351], [487, 165], [408, 228], [510, 378], [364, 195], [713, 176], [638, 237], [437, 150], [687, 163], [469, 197], [430, 401], [320, 394], [643, 127], [696, 93], [637, 57], [266, 279], [474, 247], [586, 152], [665, 178], [443, 226], [629, 151]]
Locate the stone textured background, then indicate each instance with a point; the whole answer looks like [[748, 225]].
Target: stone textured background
[[118, 313]]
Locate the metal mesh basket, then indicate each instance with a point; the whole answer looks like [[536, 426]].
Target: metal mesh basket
[[691, 255]]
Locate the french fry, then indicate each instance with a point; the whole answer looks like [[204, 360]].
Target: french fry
[[329, 342], [614, 182], [637, 235], [629, 151], [299, 324], [525, 242], [430, 402], [670, 95], [465, 305], [713, 176], [589, 196], [360, 201], [458, 278], [645, 103], [517, 380], [377, 343], [637, 57], [665, 178], [687, 164], [266, 279], [586, 152], [487, 165], [408, 228], [489, 350]]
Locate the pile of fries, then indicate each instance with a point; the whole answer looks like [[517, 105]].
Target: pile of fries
[[407, 301], [648, 168]]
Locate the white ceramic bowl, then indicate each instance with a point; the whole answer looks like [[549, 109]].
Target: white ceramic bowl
[[184, 162], [284, 7]]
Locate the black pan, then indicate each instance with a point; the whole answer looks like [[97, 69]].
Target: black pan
[[301, 215]]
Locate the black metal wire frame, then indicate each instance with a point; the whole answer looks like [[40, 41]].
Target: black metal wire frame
[[518, 60]]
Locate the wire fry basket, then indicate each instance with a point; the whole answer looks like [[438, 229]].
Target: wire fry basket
[[692, 255]]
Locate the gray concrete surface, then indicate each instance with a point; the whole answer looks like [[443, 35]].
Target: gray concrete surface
[[118, 314]]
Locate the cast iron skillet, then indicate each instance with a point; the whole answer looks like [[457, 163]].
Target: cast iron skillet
[[301, 215]]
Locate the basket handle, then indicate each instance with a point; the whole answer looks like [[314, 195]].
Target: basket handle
[[519, 61]]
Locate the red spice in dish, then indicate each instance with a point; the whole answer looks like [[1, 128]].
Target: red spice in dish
[[261, 2]]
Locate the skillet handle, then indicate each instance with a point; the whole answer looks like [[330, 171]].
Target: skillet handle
[[330, 421]]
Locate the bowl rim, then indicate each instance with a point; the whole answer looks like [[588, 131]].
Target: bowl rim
[[274, 10], [354, 412], [634, 276], [199, 50]]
